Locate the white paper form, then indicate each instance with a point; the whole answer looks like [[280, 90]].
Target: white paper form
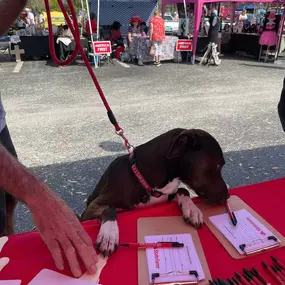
[[173, 264], [248, 231]]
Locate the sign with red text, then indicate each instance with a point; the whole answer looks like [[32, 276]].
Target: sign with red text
[[184, 45], [103, 47]]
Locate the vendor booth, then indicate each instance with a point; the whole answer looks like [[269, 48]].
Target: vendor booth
[[236, 38], [122, 12]]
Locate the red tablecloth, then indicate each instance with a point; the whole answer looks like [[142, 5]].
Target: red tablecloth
[[29, 255]]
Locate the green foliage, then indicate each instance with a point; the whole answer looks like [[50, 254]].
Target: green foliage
[[39, 5]]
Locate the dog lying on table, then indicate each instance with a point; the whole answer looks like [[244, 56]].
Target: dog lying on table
[[192, 157]]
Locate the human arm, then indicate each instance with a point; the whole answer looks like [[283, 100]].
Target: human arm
[[150, 31], [55, 221], [129, 34]]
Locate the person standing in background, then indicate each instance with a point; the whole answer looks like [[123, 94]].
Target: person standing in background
[[157, 35], [30, 17], [93, 29]]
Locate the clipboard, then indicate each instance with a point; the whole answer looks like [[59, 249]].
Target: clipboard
[[160, 226], [236, 204]]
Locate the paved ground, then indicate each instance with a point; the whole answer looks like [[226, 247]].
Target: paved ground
[[61, 131]]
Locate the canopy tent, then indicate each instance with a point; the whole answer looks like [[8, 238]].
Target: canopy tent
[[198, 4], [122, 11], [246, 6]]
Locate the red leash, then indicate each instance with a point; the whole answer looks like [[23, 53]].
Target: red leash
[[78, 48]]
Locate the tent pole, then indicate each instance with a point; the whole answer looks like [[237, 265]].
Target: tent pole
[[90, 27], [186, 18], [98, 20]]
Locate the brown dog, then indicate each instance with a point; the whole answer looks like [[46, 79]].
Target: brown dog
[[193, 157]]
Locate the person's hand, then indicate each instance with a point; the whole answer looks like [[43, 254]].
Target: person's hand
[[62, 233]]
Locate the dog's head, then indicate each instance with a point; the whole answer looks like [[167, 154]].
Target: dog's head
[[199, 160]]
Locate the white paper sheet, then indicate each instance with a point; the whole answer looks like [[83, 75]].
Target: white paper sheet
[[248, 231], [48, 277], [10, 282], [173, 261]]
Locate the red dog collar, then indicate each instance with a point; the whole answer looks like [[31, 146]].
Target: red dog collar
[[141, 179]]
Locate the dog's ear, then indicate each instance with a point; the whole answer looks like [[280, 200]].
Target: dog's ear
[[181, 144]]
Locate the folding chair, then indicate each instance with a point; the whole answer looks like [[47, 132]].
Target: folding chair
[[5, 47]]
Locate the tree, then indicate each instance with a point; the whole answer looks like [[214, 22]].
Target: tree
[[39, 5]]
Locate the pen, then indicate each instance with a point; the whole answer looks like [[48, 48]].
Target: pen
[[242, 280], [272, 273], [277, 272], [230, 281], [153, 245], [279, 269], [231, 214], [246, 277], [235, 280], [251, 277], [260, 276], [282, 266]]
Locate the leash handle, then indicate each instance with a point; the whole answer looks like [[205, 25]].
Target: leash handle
[[78, 48]]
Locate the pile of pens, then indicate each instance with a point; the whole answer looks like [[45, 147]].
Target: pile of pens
[[255, 277]]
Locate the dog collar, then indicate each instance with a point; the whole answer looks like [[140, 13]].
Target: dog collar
[[140, 177]]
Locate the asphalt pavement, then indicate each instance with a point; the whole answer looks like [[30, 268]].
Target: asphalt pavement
[[61, 132]]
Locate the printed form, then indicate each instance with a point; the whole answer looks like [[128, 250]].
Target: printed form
[[248, 231], [173, 264]]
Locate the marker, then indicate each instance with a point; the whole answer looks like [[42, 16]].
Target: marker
[[272, 273], [260, 276], [242, 280], [231, 214], [282, 266], [153, 245], [211, 282]]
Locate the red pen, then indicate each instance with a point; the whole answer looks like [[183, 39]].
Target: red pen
[[260, 276], [280, 271], [277, 272], [153, 245], [278, 262], [241, 279], [272, 273], [231, 214], [252, 278]]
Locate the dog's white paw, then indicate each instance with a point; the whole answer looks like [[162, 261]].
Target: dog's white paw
[[108, 238], [191, 213]]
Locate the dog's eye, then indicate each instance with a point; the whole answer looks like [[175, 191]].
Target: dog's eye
[[218, 167]]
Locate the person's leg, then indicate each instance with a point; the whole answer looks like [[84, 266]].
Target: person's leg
[[156, 52], [11, 202], [159, 52]]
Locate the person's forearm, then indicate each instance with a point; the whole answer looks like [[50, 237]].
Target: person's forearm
[[19, 181]]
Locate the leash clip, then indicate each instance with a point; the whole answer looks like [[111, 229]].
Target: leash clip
[[129, 147]]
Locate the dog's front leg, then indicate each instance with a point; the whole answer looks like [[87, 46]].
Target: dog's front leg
[[108, 237], [191, 213]]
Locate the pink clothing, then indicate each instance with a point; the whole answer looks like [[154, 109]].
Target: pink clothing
[[158, 30]]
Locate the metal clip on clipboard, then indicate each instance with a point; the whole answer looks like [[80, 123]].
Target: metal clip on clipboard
[[253, 251], [191, 272]]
